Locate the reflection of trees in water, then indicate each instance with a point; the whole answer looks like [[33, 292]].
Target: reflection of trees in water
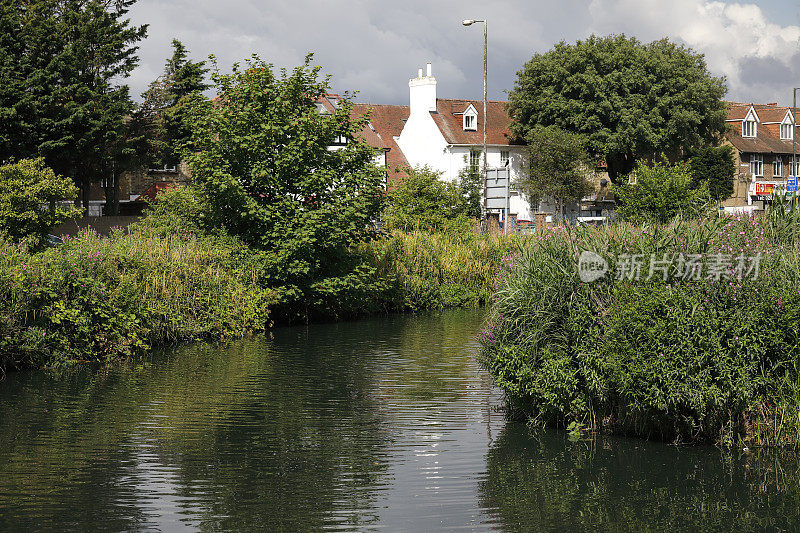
[[290, 433], [546, 482], [251, 439]]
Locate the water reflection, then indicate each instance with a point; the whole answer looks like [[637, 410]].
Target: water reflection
[[544, 482], [381, 424]]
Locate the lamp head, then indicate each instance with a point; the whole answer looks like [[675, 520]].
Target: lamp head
[[468, 22]]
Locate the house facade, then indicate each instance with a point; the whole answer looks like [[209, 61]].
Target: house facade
[[763, 139]]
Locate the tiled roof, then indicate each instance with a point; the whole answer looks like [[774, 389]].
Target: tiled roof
[[767, 138], [449, 118], [388, 122]]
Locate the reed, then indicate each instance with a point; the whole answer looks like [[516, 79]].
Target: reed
[[99, 299], [677, 360]]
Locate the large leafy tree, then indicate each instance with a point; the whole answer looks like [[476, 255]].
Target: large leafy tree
[[631, 100], [262, 162], [558, 165], [61, 65]]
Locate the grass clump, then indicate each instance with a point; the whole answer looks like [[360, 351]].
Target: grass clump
[[101, 299], [682, 360]]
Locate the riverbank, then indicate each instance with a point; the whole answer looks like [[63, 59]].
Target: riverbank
[[711, 359], [102, 299]]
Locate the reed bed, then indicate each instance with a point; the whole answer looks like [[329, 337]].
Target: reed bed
[[682, 360], [98, 299]]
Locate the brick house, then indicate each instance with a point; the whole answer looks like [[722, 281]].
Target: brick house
[[762, 137]]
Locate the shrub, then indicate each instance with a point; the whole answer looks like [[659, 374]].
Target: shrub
[[30, 196], [424, 202], [661, 192]]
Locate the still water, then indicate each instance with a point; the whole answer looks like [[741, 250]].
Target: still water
[[383, 424]]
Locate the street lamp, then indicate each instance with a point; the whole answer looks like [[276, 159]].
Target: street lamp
[[470, 22], [794, 131]]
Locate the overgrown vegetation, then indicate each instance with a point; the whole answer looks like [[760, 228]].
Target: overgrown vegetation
[[713, 359], [101, 299], [661, 192]]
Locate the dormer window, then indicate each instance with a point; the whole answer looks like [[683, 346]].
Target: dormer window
[[470, 122], [749, 124], [787, 131], [470, 119]]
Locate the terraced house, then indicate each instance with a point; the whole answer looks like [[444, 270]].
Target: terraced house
[[763, 138]]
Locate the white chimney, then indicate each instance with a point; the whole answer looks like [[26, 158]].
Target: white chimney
[[422, 91]]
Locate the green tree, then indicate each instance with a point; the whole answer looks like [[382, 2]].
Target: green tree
[[61, 64], [660, 193], [423, 201], [558, 165], [471, 183], [715, 166], [263, 164], [164, 106], [30, 194], [631, 100]]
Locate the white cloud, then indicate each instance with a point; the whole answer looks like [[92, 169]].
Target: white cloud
[[729, 34], [375, 46]]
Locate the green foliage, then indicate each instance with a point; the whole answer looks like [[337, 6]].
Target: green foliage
[[434, 271], [262, 165], [103, 299], [631, 100], [60, 67], [423, 201], [678, 360], [660, 193], [163, 112], [558, 165], [470, 184], [716, 167], [29, 200]]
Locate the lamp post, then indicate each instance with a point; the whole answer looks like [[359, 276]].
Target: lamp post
[[470, 22], [794, 131]]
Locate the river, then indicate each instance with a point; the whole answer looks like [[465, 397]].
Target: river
[[383, 424]]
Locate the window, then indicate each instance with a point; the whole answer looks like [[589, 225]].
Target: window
[[504, 156], [470, 122], [632, 178], [757, 165], [794, 166], [474, 159], [777, 166], [749, 128], [786, 132]]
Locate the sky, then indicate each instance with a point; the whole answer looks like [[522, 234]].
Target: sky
[[375, 46]]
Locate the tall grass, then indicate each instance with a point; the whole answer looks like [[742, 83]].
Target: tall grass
[[430, 271], [708, 360], [97, 299]]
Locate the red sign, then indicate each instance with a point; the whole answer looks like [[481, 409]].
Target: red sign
[[763, 188]]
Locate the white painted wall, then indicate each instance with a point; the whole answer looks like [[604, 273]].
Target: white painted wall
[[423, 144]]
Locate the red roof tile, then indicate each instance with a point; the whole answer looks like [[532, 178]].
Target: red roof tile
[[388, 122], [767, 138], [449, 118]]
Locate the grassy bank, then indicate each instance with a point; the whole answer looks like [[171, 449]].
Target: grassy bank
[[101, 299], [104, 299], [714, 360]]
